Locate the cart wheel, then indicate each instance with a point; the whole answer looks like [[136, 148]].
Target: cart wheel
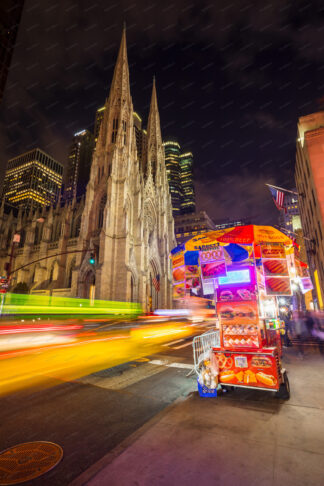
[[284, 390]]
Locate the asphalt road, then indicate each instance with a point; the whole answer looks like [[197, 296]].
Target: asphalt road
[[88, 417]]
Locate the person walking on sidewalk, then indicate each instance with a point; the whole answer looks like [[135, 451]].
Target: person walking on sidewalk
[[286, 336], [300, 329]]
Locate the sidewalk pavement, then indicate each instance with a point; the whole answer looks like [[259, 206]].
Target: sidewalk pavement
[[243, 438]]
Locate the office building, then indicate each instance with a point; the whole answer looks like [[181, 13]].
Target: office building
[[32, 179], [10, 15], [289, 218], [99, 117], [309, 176], [224, 224], [180, 177], [79, 164], [172, 164], [140, 137], [188, 203], [189, 225]]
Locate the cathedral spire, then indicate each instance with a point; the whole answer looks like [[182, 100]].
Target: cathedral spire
[[154, 137], [120, 84]]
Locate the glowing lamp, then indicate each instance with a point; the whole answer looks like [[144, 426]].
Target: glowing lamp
[[235, 277]]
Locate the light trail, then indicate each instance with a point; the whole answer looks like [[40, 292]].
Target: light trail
[[49, 365]]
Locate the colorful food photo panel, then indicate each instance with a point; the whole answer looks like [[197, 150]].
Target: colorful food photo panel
[[277, 286], [238, 312], [213, 269], [273, 251], [179, 291], [178, 274], [275, 267], [231, 294]]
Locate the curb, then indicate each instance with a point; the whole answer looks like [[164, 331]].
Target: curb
[[106, 460]]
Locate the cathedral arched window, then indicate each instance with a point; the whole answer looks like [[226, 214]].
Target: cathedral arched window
[[51, 273], [22, 238], [114, 130], [124, 131], [36, 236], [132, 289], [102, 206], [77, 227], [57, 232]]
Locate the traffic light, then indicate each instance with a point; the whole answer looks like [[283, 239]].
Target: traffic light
[[92, 259]]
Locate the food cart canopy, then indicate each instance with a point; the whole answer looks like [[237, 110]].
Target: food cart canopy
[[254, 234]]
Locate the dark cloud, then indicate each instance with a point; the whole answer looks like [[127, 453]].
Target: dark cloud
[[232, 80]]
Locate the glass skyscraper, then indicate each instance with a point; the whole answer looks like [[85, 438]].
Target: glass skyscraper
[[33, 179], [180, 178], [99, 116], [172, 164], [188, 204], [79, 163]]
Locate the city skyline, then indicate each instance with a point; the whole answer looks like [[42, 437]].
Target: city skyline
[[162, 242], [232, 84]]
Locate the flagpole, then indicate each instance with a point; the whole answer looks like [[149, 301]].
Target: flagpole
[[282, 189], [293, 233]]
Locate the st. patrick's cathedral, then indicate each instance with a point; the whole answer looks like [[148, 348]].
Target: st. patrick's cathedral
[[124, 219]]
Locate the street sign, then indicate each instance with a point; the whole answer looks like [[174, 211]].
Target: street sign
[[4, 284]]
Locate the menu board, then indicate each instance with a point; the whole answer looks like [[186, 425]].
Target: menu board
[[306, 284], [212, 255], [273, 251], [179, 291], [248, 369], [193, 283], [238, 312], [178, 274], [192, 271], [274, 267], [277, 286], [208, 286], [178, 260], [213, 269], [231, 294]]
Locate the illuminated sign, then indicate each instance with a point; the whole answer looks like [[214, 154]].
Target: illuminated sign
[[236, 276]]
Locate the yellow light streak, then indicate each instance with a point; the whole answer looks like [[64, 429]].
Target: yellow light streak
[[50, 365]]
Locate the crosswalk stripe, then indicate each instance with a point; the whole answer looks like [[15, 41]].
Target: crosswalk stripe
[[160, 362], [183, 345]]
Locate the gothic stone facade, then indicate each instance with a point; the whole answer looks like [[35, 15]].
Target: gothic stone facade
[[125, 216]]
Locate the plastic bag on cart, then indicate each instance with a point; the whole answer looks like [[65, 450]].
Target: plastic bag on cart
[[208, 371], [214, 366]]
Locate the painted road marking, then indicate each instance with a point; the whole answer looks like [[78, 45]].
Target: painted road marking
[[161, 362], [129, 377], [183, 345]]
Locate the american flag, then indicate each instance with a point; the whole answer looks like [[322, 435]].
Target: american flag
[[156, 282], [278, 198]]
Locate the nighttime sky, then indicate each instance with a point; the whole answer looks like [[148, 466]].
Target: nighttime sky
[[232, 80]]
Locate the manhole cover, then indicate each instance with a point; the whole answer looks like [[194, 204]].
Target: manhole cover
[[27, 461]]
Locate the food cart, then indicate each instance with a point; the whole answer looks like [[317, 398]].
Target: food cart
[[247, 268]]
